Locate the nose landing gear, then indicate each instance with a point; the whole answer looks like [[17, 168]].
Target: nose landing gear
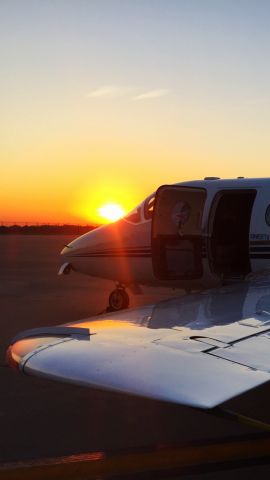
[[118, 299]]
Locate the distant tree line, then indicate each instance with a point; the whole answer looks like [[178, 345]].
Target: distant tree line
[[46, 229]]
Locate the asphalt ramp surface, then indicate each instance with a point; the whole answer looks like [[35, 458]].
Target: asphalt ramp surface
[[41, 418]]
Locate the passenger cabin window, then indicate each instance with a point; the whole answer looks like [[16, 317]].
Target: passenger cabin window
[[267, 215], [149, 207], [134, 216]]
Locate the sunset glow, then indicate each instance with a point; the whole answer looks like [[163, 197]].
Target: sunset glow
[[82, 127], [111, 212]]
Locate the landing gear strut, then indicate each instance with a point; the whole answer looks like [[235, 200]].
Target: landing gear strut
[[118, 299]]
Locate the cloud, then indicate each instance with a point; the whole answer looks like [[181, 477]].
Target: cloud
[[108, 91], [116, 91], [157, 93]]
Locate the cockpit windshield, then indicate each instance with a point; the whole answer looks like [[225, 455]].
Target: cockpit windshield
[[134, 216], [149, 207], [142, 213]]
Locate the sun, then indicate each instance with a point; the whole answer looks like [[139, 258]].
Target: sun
[[111, 212]]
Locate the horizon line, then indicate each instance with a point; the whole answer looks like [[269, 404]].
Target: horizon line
[[40, 224]]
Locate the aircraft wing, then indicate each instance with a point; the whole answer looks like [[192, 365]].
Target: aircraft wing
[[197, 350]]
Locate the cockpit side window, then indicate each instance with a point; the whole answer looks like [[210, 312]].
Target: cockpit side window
[[149, 207], [134, 216]]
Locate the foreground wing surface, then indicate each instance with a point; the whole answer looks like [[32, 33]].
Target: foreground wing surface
[[199, 350]]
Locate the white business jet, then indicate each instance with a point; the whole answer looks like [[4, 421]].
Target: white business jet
[[191, 235]]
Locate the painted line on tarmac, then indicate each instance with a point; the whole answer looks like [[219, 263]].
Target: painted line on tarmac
[[160, 458]]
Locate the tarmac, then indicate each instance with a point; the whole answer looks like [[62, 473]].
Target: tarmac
[[41, 418]]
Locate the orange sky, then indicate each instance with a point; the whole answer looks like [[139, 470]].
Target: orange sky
[[104, 101]]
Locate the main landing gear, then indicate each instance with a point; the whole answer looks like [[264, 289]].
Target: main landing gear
[[118, 299]]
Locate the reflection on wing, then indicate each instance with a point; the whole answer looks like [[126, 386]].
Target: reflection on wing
[[199, 350]]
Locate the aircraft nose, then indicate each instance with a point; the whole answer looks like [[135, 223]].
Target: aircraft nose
[[87, 243], [74, 256], [66, 250]]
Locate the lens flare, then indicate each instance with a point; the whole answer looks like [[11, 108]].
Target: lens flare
[[111, 212]]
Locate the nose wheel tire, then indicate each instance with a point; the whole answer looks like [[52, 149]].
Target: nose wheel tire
[[118, 300]]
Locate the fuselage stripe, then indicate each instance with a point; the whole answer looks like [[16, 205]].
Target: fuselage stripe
[[259, 249], [260, 242], [99, 255]]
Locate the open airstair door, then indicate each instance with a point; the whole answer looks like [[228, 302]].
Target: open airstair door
[[177, 233]]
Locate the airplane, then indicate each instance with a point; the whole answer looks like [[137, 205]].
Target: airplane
[[190, 235], [198, 350]]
